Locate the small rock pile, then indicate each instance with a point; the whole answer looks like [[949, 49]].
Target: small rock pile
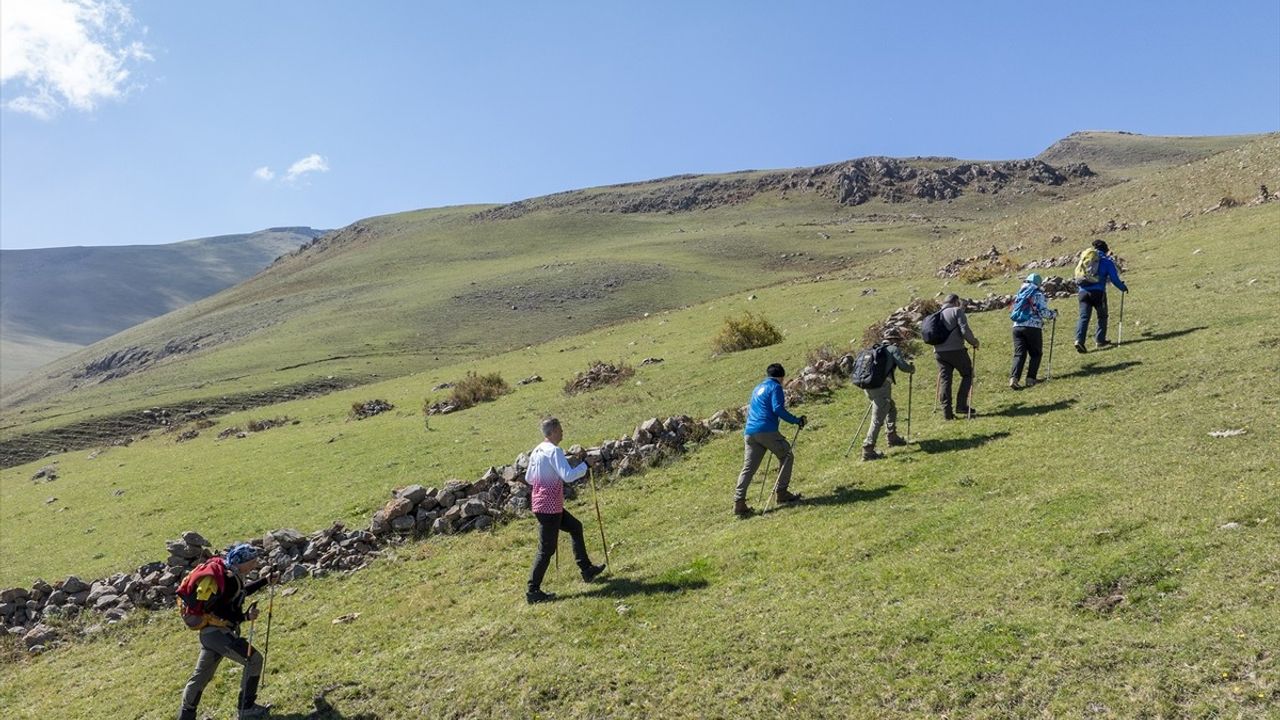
[[599, 375], [819, 380], [46, 474], [442, 407], [1056, 262], [953, 268], [369, 408]]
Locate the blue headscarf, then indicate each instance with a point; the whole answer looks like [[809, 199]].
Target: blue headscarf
[[241, 553]]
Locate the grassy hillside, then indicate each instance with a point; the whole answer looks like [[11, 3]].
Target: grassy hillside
[[400, 293], [1129, 154], [55, 299], [1068, 554]]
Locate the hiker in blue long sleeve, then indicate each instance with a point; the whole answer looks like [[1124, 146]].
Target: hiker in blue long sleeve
[[768, 405], [1093, 272]]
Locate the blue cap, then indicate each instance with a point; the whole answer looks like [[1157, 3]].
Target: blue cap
[[241, 553], [1035, 279]]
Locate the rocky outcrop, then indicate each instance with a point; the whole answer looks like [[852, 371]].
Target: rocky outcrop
[[853, 182]]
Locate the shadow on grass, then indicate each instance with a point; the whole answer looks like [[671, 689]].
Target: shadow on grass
[[1095, 369], [324, 711], [1024, 410], [616, 587], [1164, 335], [844, 495], [963, 443]]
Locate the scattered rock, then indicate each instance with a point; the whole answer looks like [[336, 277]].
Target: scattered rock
[[369, 408], [344, 619], [1227, 433], [48, 473], [530, 380]]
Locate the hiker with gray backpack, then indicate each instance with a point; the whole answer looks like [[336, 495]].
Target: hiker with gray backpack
[[1092, 273], [873, 372], [1029, 311], [947, 330]]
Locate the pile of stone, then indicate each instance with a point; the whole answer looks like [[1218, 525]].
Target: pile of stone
[[953, 268], [599, 375], [1056, 262], [530, 380], [819, 380], [268, 423], [443, 407], [233, 431], [369, 408], [46, 474]]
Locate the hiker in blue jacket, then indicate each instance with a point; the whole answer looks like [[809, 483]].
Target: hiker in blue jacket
[[768, 404], [1092, 281], [1030, 310]]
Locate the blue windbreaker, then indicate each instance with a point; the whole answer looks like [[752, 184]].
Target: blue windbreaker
[[768, 403], [1106, 271]]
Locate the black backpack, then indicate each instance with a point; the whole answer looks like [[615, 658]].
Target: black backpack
[[934, 331], [871, 367]]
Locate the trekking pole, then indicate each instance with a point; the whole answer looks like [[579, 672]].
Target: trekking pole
[[1120, 333], [973, 381], [266, 646], [599, 520], [781, 465], [858, 432], [1053, 334], [767, 464], [244, 676], [910, 392]]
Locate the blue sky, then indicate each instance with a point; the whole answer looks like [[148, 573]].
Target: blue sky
[[391, 106]]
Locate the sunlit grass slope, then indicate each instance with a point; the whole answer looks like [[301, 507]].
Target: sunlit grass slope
[[959, 578]]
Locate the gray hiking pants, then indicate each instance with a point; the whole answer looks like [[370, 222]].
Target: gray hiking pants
[[884, 411], [755, 447], [215, 644]]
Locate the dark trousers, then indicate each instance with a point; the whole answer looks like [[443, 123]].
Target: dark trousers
[[215, 644], [950, 361], [1091, 300], [1027, 341], [550, 525]]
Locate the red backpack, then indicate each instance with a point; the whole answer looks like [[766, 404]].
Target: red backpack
[[191, 609]]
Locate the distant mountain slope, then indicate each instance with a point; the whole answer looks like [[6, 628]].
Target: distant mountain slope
[[54, 300], [1132, 154]]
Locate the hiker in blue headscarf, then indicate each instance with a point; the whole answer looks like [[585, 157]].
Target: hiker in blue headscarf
[[1030, 310]]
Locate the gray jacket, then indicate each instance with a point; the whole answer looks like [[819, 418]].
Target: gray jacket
[[953, 317]]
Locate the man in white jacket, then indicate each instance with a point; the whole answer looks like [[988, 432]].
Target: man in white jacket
[[548, 471]]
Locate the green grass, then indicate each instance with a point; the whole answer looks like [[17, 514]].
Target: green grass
[[950, 580]]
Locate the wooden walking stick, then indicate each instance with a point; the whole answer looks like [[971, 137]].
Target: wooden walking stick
[[782, 464], [910, 391], [1053, 334], [973, 381], [1120, 335], [599, 520], [858, 432], [266, 646]]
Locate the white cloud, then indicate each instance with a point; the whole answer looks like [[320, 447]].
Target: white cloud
[[264, 173], [309, 164], [62, 53]]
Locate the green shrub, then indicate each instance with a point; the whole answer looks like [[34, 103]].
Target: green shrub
[[474, 389], [744, 333], [1003, 266]]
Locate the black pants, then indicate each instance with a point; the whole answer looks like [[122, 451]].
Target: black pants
[[1091, 300], [550, 525], [1027, 341], [950, 361]]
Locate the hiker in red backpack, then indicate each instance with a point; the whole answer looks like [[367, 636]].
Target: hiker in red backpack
[[1030, 310], [1092, 273], [211, 600], [884, 411]]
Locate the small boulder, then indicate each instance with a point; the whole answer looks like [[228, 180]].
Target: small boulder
[[413, 493]]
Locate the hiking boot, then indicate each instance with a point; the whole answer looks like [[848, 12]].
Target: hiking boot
[[967, 412], [869, 453], [1032, 382], [741, 509], [782, 497], [1103, 343], [948, 415], [1080, 348], [893, 439], [590, 572], [254, 711], [533, 597], [1014, 385]]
